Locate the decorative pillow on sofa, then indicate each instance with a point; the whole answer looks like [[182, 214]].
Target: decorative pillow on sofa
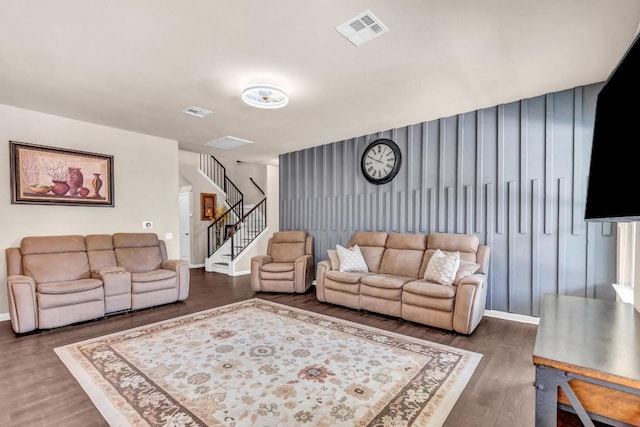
[[442, 267], [333, 257], [466, 268], [351, 260]]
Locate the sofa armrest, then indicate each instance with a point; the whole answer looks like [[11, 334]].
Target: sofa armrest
[[471, 299], [23, 308], [323, 267], [303, 273], [181, 267], [256, 263]]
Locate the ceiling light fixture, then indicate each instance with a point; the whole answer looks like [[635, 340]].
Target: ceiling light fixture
[[265, 96]]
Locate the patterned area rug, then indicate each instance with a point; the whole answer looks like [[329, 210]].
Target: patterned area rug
[[258, 363]]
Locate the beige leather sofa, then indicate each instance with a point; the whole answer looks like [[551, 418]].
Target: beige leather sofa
[[59, 280], [395, 284], [288, 265]]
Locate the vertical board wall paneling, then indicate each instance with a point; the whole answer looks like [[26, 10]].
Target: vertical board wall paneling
[[514, 175]]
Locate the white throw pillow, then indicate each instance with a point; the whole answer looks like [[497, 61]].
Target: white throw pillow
[[442, 267], [351, 260]]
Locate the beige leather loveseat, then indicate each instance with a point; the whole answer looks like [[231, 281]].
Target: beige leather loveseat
[[59, 280], [394, 284]]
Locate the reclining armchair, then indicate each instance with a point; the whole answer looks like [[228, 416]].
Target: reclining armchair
[[288, 265]]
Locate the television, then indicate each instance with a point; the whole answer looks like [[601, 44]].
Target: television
[[614, 170]]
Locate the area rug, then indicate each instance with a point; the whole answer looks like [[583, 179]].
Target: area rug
[[257, 363]]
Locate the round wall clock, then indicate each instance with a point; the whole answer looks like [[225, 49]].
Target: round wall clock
[[381, 161]]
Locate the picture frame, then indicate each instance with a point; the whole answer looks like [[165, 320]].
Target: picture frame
[[44, 175], [208, 206]]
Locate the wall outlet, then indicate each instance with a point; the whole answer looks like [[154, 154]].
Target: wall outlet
[[168, 236], [147, 224]]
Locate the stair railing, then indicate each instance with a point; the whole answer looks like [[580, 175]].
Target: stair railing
[[252, 225], [212, 168], [234, 224], [222, 229], [257, 186]]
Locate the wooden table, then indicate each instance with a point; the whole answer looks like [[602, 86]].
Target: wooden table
[[587, 358]]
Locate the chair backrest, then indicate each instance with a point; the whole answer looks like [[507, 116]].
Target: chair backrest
[[100, 251], [138, 252], [50, 259], [286, 246]]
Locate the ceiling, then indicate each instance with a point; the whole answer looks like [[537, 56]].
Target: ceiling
[[136, 65]]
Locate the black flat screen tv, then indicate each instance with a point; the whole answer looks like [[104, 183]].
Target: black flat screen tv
[[614, 171]]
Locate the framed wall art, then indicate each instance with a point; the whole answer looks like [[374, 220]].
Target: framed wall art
[[208, 205], [56, 176]]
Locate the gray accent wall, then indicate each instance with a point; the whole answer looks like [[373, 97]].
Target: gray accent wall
[[515, 175]]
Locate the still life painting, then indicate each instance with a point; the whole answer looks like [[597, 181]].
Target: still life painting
[[50, 175]]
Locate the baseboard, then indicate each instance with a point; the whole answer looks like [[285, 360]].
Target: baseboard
[[240, 272], [4, 316], [512, 316], [196, 265]]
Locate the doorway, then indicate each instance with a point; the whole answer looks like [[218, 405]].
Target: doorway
[[184, 202]]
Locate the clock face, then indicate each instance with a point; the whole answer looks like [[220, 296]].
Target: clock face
[[381, 161]]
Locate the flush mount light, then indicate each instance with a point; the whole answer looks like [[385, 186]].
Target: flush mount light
[[265, 96]]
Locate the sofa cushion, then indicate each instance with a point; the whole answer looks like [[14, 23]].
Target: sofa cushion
[[56, 267], [100, 251], [286, 252], [135, 240], [442, 267], [387, 281], [81, 305], [152, 276], [351, 260], [287, 246], [68, 287], [139, 259], [429, 296], [278, 267], [52, 244], [372, 245], [403, 254], [429, 289], [343, 277]]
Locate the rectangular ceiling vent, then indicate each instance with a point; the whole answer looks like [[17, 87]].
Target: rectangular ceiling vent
[[228, 143], [196, 111], [362, 28]]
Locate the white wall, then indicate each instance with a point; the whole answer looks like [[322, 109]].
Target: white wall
[[145, 183]]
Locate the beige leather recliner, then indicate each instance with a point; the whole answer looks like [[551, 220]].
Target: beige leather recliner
[[288, 265], [50, 285], [155, 280]]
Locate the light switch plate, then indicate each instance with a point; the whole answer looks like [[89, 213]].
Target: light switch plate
[[147, 224], [168, 236]]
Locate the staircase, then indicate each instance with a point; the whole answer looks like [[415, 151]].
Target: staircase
[[238, 227]]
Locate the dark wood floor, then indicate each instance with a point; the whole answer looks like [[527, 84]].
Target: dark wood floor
[[37, 390]]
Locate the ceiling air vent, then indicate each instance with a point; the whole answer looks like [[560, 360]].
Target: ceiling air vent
[[362, 28], [196, 111], [228, 142]]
